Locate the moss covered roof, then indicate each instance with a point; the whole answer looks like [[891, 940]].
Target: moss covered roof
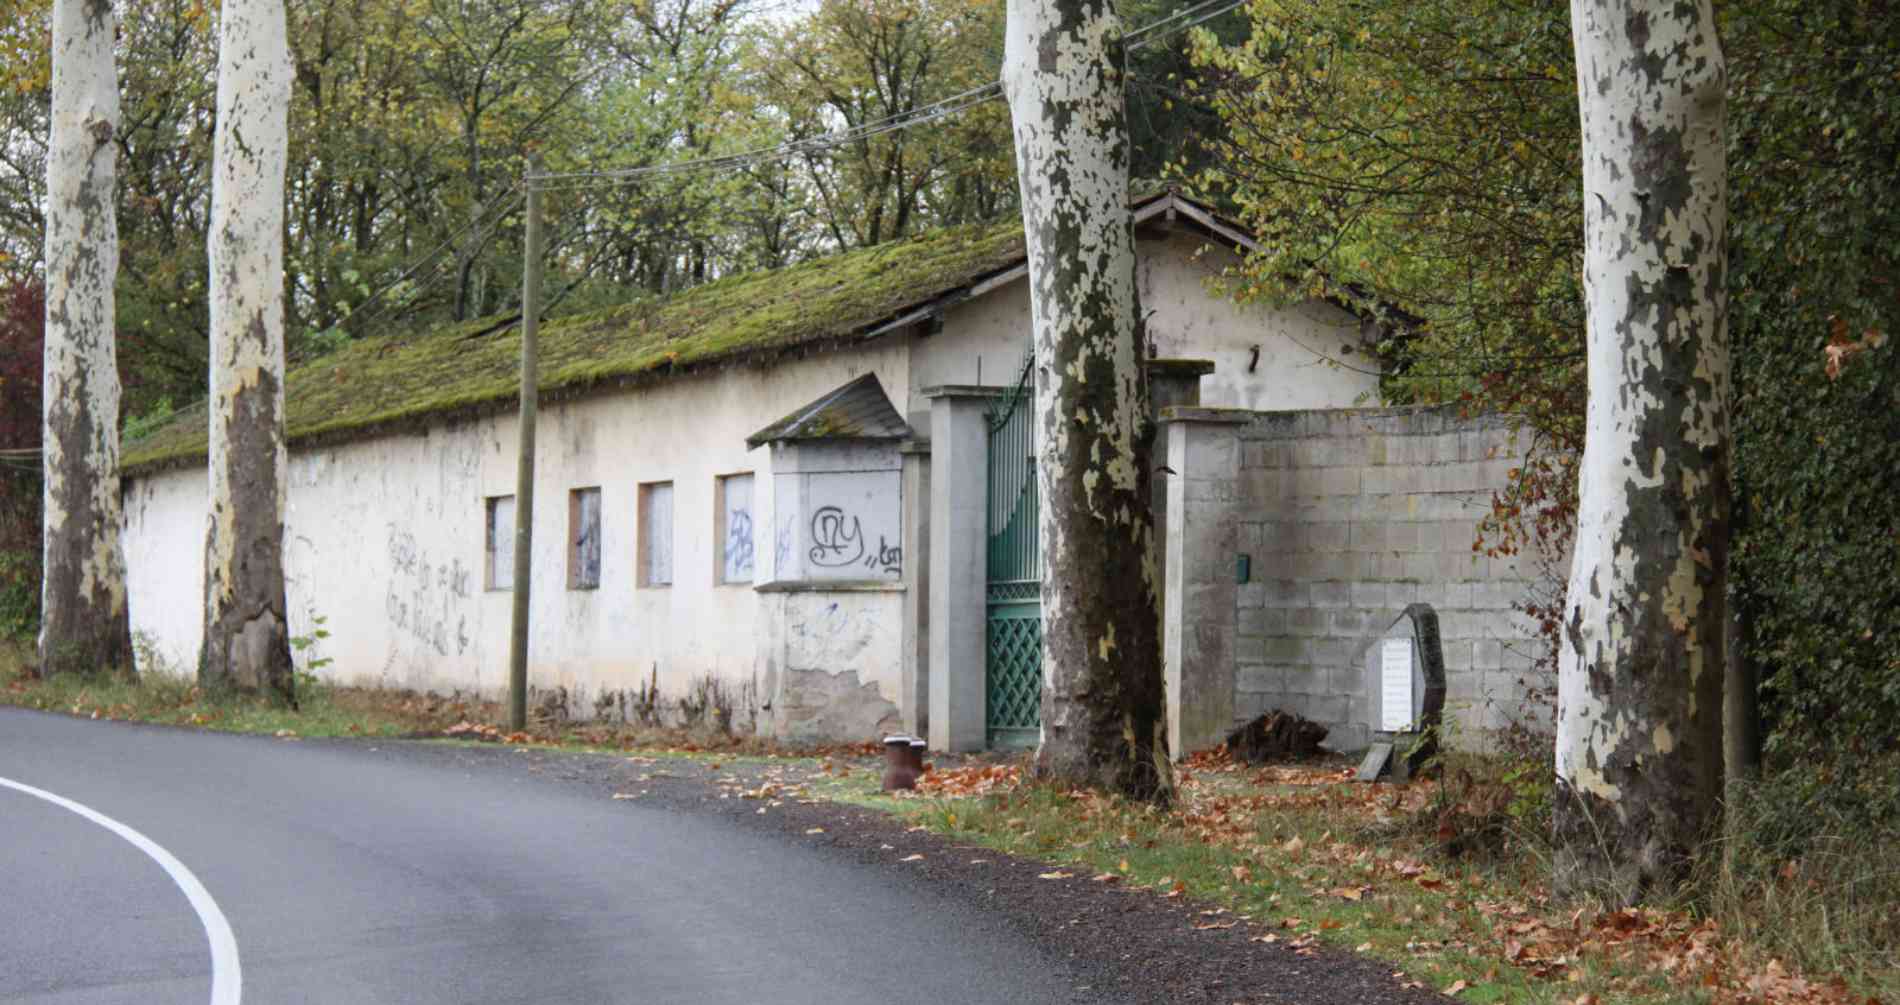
[[390, 381]]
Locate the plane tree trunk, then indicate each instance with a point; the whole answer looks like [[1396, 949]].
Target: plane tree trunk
[[246, 639], [1640, 680], [1103, 721], [84, 624]]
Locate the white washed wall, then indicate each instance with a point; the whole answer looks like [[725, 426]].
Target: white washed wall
[[1311, 354], [385, 540]]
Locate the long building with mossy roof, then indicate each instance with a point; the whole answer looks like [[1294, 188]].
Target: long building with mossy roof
[[765, 503]]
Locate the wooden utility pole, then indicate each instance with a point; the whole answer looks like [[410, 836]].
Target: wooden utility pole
[[524, 469]]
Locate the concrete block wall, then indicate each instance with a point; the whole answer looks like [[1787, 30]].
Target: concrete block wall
[[1347, 516]]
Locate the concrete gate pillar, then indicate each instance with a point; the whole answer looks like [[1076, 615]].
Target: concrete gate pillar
[[959, 480], [1201, 573], [914, 682]]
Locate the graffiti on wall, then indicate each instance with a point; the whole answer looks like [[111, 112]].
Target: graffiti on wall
[[738, 546], [837, 541], [425, 599]]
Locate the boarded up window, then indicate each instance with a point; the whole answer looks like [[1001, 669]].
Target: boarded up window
[[734, 529], [656, 534], [583, 539], [500, 549]]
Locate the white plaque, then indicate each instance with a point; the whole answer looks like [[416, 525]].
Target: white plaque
[[1395, 685]]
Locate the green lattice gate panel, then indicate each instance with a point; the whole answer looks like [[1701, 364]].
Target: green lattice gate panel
[[1013, 650]]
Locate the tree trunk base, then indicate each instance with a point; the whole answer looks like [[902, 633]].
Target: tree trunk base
[[250, 655], [1619, 862]]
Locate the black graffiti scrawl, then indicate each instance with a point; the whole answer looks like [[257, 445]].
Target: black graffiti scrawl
[[838, 541]]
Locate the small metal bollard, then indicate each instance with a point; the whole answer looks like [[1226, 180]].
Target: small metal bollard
[[901, 766], [917, 745]]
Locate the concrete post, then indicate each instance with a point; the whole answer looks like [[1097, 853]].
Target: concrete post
[[958, 493], [914, 681], [1201, 591]]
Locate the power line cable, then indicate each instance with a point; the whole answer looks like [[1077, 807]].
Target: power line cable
[[956, 104]]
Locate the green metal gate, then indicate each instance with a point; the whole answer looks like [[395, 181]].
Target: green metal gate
[[1013, 633]]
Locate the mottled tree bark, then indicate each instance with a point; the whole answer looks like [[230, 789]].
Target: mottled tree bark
[[246, 641], [1103, 721], [1639, 731], [83, 622]]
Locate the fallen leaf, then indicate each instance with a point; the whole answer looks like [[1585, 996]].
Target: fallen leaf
[[911, 858], [1058, 874], [815, 830], [1457, 986]]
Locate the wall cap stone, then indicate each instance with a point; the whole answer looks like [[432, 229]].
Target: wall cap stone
[[1217, 416], [963, 391]]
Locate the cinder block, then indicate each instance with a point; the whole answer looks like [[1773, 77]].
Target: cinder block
[[1251, 705], [1302, 679], [1262, 488], [1350, 623], [1331, 594], [1456, 536], [1402, 536], [1401, 595], [1487, 654], [1347, 681], [1251, 594], [1249, 649], [1366, 535], [1339, 481], [1368, 595], [1282, 649], [1281, 592], [1332, 653], [1306, 622], [1457, 597], [1452, 566], [1256, 678], [1276, 620], [1366, 565], [1328, 537], [1214, 450], [1329, 709], [1251, 621]]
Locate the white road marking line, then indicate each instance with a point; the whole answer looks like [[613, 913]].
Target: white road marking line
[[227, 976]]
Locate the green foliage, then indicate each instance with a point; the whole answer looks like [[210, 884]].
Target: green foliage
[[19, 595], [1419, 155], [1815, 169], [852, 62], [307, 646]]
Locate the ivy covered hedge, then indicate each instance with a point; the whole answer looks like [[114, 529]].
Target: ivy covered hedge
[[1815, 228]]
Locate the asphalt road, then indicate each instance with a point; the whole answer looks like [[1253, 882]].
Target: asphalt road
[[356, 873]]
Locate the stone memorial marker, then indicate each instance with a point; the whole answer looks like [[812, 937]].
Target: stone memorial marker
[[1405, 679]]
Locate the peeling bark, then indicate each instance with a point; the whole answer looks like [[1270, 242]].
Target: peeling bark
[[1103, 704], [1639, 731], [246, 639], [84, 624]]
